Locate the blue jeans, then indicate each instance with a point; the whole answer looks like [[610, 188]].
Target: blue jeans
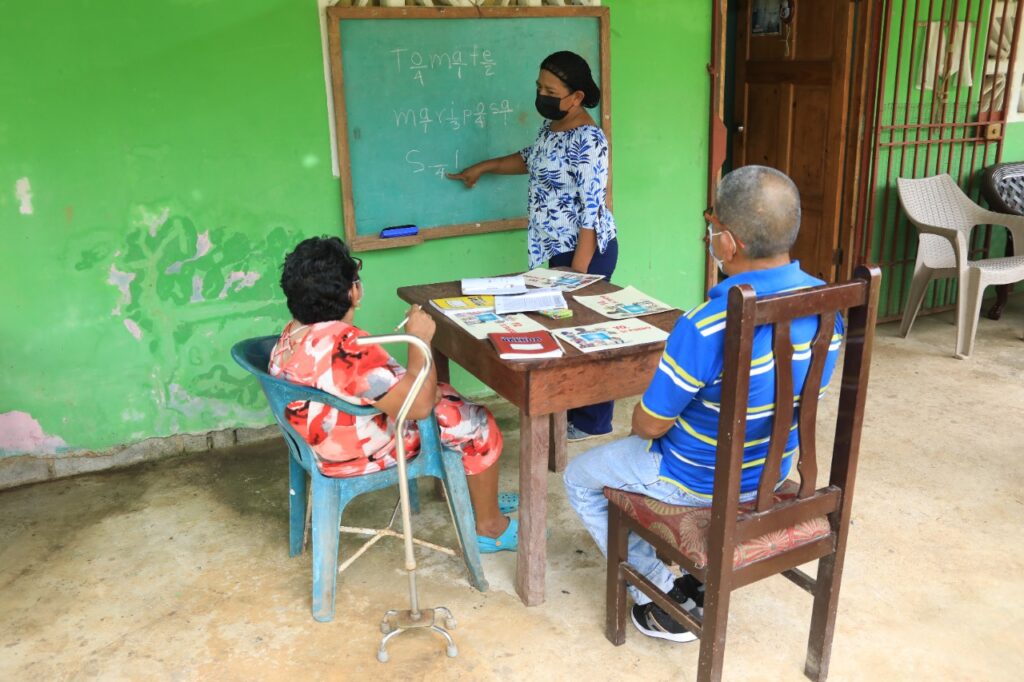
[[627, 465], [597, 418]]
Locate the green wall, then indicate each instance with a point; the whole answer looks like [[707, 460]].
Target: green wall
[[158, 159]]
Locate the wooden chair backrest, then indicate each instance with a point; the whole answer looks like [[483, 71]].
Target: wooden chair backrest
[[746, 312]]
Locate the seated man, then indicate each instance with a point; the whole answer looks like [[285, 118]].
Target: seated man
[[671, 454], [321, 282]]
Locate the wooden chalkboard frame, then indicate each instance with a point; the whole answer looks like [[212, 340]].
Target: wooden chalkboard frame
[[335, 14]]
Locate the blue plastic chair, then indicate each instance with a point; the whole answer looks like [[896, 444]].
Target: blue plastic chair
[[330, 495]]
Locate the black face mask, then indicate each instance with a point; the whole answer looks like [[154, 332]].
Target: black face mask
[[548, 106]]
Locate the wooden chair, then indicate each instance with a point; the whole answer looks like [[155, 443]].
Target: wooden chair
[[729, 545]]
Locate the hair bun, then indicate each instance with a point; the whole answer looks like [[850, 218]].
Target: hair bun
[[574, 71]]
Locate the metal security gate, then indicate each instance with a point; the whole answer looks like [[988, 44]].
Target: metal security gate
[[938, 102]]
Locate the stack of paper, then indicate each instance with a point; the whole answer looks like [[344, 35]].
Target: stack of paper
[[494, 285], [559, 279], [628, 302], [608, 335], [538, 299]]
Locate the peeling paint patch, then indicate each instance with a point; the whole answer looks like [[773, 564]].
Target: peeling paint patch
[[203, 246], [21, 434], [23, 193], [123, 281], [153, 221], [133, 328], [197, 290], [184, 403], [241, 280], [179, 399]]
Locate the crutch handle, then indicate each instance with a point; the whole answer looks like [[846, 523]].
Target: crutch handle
[[403, 480], [382, 339]]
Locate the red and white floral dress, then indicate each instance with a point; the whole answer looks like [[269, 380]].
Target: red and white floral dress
[[324, 355]]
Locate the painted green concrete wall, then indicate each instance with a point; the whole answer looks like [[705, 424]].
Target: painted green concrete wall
[[158, 159], [1013, 145]]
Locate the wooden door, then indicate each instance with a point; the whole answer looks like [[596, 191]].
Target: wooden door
[[792, 81]]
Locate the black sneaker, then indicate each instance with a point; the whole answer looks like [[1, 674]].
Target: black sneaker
[[651, 620], [689, 593]]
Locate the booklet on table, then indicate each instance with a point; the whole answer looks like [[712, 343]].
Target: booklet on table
[[463, 304], [526, 346]]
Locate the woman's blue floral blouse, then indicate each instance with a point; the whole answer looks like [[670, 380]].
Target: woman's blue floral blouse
[[568, 185]]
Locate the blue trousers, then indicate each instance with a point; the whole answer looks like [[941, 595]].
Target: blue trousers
[[595, 419], [627, 465]]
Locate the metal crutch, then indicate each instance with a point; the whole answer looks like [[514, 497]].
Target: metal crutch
[[396, 621]]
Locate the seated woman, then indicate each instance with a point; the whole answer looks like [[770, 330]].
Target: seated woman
[[321, 282]]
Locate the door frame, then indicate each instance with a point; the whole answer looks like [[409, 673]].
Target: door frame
[[860, 101]]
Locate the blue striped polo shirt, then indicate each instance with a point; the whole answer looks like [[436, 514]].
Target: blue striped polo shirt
[[687, 387]]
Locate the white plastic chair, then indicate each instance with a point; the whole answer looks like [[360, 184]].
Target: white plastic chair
[[944, 217]]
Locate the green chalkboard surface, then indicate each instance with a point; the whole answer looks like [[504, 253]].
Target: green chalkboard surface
[[420, 92]]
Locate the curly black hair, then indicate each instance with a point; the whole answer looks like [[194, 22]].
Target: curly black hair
[[316, 279]]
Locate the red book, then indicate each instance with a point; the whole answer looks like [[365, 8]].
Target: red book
[[526, 345]]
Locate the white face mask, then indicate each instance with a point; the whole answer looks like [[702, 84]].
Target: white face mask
[[711, 249]]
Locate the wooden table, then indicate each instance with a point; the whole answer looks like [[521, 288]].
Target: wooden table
[[542, 390]]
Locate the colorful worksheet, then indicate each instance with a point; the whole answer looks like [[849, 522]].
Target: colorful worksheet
[[628, 302], [607, 335], [483, 323], [463, 304], [559, 279]]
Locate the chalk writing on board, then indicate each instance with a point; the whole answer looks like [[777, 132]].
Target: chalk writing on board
[[438, 169], [453, 117], [415, 63]]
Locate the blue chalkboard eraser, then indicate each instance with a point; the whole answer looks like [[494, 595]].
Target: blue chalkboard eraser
[[399, 231]]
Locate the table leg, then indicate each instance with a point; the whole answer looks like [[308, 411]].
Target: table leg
[[558, 458], [531, 559], [441, 365]]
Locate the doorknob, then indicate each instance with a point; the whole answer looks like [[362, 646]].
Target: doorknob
[[739, 128]]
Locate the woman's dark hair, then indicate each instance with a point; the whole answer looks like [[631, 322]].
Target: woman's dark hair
[[316, 279], [574, 71]]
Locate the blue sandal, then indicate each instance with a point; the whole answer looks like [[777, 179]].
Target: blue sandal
[[507, 541], [508, 502]]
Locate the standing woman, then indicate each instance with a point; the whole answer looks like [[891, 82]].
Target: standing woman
[[569, 223]]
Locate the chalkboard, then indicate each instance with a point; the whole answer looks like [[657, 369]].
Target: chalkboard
[[420, 92]]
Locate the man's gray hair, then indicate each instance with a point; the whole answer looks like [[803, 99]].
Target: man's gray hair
[[761, 206]]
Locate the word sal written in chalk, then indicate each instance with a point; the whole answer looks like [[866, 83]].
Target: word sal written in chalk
[[451, 117], [416, 63], [438, 169]]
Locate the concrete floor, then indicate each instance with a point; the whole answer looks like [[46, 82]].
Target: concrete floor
[[179, 569]]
